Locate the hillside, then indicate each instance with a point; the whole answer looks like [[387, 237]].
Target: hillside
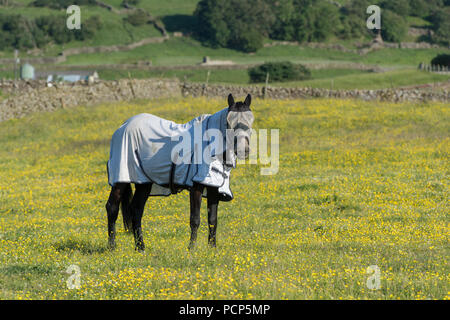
[[175, 16]]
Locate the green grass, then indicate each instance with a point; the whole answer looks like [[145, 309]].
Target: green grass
[[373, 81], [169, 7], [338, 79], [239, 76], [417, 22], [168, 53], [359, 184], [233, 76]]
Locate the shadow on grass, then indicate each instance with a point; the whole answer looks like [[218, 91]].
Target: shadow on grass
[[180, 22], [82, 246]]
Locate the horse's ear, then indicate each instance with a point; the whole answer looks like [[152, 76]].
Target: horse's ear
[[230, 100], [248, 100]]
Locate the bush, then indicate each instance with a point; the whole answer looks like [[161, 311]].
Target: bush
[[441, 60], [279, 72], [137, 18]]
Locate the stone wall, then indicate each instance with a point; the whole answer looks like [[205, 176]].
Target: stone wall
[[395, 95], [24, 97], [29, 97]]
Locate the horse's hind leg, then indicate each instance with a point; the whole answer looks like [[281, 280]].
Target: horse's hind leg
[[125, 203], [112, 210], [137, 206]]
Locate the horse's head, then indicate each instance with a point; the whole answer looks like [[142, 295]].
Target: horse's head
[[240, 119]]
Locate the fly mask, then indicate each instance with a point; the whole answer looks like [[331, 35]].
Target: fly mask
[[240, 119]]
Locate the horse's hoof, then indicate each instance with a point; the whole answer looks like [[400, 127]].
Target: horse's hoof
[[111, 246], [128, 228], [140, 248]]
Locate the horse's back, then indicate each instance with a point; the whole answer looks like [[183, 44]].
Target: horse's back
[[141, 147]]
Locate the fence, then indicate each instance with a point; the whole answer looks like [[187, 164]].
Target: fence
[[433, 68]]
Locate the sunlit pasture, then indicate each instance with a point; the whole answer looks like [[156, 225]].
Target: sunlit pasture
[[360, 184]]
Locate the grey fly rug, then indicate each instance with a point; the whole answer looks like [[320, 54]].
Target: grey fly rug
[[149, 149]]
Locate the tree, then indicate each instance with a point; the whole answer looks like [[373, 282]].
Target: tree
[[305, 20], [419, 8], [236, 24], [441, 26], [400, 7], [17, 31], [393, 26], [137, 18], [283, 28], [326, 21], [353, 19]]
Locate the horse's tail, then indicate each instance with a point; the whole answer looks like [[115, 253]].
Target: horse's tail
[[126, 208]]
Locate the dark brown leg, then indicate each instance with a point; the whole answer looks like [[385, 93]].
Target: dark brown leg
[[137, 208], [196, 201], [112, 210], [213, 202], [126, 209]]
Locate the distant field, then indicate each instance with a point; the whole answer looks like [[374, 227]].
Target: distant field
[[238, 76], [168, 53], [391, 79], [338, 79], [360, 184]]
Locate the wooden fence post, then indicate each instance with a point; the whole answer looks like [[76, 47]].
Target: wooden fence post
[[266, 85]]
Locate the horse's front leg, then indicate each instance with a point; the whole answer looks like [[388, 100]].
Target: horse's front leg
[[196, 202], [213, 202], [137, 208]]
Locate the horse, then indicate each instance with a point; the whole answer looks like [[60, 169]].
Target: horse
[[142, 153]]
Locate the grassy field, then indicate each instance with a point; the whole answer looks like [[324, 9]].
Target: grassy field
[[402, 62], [360, 184], [234, 76], [338, 79], [168, 53], [373, 81]]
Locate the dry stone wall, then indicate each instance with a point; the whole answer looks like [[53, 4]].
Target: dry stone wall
[[25, 97], [395, 95], [37, 96]]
